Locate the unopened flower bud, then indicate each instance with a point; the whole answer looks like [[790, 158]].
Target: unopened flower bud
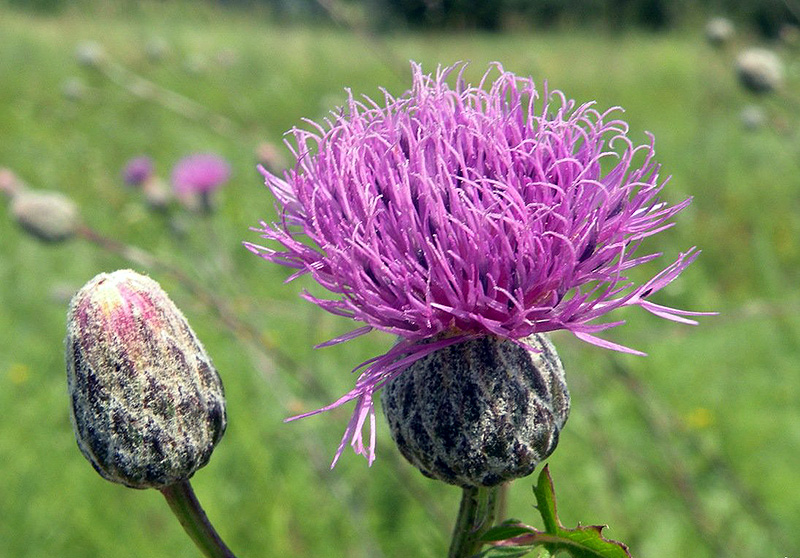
[[157, 194], [753, 117], [156, 49], [760, 70], [148, 407], [90, 54], [49, 216], [481, 412], [719, 31], [138, 170], [73, 89]]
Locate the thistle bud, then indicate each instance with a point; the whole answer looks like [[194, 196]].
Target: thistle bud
[[148, 407], [73, 89], [49, 216], [753, 117], [480, 412], [157, 195], [719, 31], [156, 49], [138, 170], [760, 70], [90, 54]]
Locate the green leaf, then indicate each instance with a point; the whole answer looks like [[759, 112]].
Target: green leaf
[[513, 539], [581, 542], [505, 552], [509, 529]]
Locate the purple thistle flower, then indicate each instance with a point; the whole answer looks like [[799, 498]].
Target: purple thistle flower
[[200, 173], [138, 170], [467, 212]]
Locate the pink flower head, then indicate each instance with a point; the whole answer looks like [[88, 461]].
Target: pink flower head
[[200, 173], [471, 211], [138, 170]]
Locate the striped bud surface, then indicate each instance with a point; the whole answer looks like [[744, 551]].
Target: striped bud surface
[[480, 412], [148, 407]]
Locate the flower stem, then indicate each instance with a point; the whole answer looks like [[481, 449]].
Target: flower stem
[[187, 509], [475, 516]]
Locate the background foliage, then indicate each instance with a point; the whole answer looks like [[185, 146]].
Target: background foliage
[[691, 451], [493, 15]]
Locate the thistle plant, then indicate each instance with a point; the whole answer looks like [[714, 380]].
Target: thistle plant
[[470, 221]]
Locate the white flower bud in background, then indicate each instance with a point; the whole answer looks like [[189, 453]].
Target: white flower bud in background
[[156, 49], [481, 412], [90, 54], [760, 70], [73, 89], [157, 194], [753, 117], [195, 64], [719, 30], [148, 407], [49, 216]]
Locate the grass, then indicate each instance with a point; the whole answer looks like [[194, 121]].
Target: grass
[[691, 451]]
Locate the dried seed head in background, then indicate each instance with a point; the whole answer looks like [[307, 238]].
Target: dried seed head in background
[[49, 216], [760, 70]]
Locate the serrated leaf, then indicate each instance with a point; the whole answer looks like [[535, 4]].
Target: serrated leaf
[[581, 542], [513, 539]]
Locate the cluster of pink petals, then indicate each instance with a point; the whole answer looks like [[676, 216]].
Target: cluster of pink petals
[[200, 173], [472, 210]]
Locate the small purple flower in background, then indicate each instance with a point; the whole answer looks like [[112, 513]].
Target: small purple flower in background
[[138, 170], [453, 213], [200, 173], [197, 176]]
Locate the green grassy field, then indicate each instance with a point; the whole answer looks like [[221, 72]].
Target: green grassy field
[[692, 451]]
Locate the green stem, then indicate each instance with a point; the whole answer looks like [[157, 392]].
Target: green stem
[[475, 516], [187, 509]]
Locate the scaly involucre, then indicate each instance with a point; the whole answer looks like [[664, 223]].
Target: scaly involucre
[[468, 211]]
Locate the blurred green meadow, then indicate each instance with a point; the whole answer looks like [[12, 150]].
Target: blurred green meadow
[[691, 451]]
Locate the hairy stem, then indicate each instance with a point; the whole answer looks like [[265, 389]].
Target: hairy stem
[[475, 516]]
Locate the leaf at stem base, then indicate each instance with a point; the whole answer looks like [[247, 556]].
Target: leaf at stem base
[[512, 539]]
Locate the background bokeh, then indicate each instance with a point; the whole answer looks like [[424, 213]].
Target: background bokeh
[[691, 451]]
